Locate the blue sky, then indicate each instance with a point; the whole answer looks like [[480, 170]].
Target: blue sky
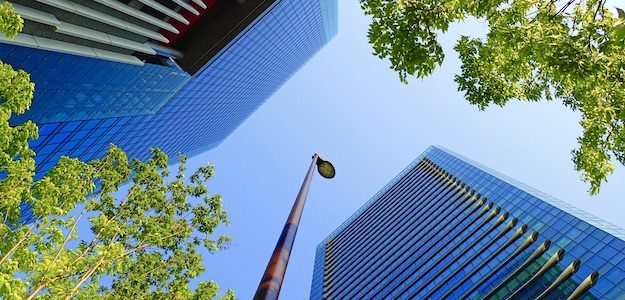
[[347, 105]]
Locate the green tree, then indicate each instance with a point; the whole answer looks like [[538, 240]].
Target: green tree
[[143, 245], [569, 50]]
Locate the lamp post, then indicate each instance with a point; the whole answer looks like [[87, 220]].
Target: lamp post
[[270, 284]]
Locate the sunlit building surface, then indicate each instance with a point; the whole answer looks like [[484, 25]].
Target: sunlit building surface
[[449, 228], [179, 75]]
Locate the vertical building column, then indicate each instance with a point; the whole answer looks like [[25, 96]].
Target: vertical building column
[[539, 251], [477, 253], [431, 206], [546, 267], [535, 255], [444, 214], [494, 226], [584, 286], [528, 241], [566, 274]]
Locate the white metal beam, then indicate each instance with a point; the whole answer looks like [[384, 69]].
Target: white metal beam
[[104, 18], [27, 40], [133, 12], [187, 6], [200, 3], [165, 10], [102, 37]]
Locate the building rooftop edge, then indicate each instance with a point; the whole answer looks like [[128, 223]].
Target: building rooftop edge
[[375, 196], [564, 206]]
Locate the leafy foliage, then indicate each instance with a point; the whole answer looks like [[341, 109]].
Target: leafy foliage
[[144, 245], [534, 50], [10, 23]]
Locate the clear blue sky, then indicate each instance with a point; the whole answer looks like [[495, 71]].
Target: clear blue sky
[[347, 105]]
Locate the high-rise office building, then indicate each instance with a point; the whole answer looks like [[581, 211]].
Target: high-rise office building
[[449, 228], [180, 75]]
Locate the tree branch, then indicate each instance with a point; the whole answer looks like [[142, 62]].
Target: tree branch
[[84, 278], [62, 247], [42, 285], [599, 8], [563, 8], [19, 242]]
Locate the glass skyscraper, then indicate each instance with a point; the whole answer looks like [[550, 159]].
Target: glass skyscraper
[[449, 228], [179, 75], [144, 74]]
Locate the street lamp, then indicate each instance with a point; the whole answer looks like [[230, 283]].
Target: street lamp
[[270, 284]]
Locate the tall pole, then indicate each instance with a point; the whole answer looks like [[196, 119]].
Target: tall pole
[[270, 284]]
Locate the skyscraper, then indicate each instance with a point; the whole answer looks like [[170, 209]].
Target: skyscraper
[[449, 228], [179, 75]]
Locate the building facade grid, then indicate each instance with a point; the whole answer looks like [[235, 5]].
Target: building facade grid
[[72, 88], [201, 114], [423, 237]]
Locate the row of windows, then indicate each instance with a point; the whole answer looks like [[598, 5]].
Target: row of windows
[[590, 243], [356, 262], [435, 233], [208, 108], [70, 87], [368, 257], [393, 268], [439, 195], [368, 214]]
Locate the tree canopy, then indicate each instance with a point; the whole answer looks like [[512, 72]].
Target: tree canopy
[[87, 236], [534, 50]]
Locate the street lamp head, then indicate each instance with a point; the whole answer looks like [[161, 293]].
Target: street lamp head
[[325, 168]]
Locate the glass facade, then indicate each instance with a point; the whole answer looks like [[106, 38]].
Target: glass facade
[[449, 228], [71, 88], [201, 114]]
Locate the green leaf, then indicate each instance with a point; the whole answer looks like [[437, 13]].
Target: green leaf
[[141, 244], [532, 51], [621, 13]]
